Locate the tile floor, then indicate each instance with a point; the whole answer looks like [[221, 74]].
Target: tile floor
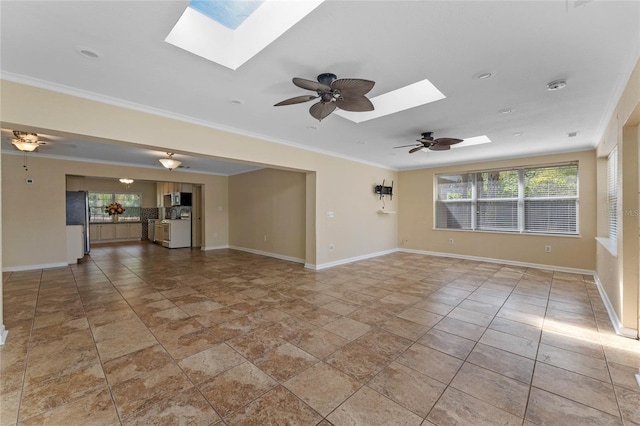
[[139, 334]]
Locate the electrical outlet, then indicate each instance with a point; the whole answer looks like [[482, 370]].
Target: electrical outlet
[[450, 240], [265, 237], [547, 249], [331, 247]]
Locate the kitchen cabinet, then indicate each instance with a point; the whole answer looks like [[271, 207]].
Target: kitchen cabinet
[[128, 231], [112, 232], [164, 189], [101, 232]]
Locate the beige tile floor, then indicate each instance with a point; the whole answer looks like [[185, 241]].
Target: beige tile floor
[[139, 334]]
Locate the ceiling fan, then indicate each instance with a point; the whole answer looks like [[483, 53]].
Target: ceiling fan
[[427, 141], [345, 93]]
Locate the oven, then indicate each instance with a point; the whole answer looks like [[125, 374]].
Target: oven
[[177, 233], [166, 233]]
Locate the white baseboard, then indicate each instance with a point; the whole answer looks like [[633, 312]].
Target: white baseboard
[[500, 261], [203, 248], [32, 267], [613, 317], [348, 260], [268, 254]]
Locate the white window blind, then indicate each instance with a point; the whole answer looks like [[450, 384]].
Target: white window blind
[[612, 193], [454, 201], [551, 199], [497, 200], [532, 199]]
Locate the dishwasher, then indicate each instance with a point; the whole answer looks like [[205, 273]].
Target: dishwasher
[[151, 229]]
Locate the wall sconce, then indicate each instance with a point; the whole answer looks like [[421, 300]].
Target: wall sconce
[[170, 163], [26, 142]]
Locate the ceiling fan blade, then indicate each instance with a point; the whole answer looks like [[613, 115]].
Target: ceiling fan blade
[[438, 147], [296, 100], [357, 104], [416, 149], [355, 86], [321, 110], [405, 146], [310, 85], [447, 141]]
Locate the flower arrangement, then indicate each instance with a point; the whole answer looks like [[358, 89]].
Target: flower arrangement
[[114, 208]]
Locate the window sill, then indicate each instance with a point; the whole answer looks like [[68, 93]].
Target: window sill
[[610, 245], [487, 231]]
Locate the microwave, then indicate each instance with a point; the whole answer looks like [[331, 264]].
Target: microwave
[[180, 199]]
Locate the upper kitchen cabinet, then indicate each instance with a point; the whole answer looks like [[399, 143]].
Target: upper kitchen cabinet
[[164, 189]]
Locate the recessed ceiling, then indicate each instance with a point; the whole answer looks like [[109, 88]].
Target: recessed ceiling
[[523, 45]]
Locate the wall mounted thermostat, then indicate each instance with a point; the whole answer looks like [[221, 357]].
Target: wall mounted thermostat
[[29, 181]]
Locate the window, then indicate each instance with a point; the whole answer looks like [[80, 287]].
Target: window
[[526, 200], [98, 201], [612, 193]]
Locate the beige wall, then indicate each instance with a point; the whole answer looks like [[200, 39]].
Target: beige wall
[[37, 213], [342, 186], [267, 212], [617, 269], [629, 235], [416, 224], [3, 330]]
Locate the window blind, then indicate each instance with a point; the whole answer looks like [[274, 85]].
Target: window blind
[[612, 193], [531, 199]]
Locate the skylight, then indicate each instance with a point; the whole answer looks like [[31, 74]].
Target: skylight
[[229, 13], [413, 95], [209, 37]]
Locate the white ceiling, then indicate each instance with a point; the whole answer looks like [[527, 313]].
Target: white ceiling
[[525, 45]]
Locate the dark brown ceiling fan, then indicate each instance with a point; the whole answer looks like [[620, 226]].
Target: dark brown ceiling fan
[[427, 141], [345, 93]]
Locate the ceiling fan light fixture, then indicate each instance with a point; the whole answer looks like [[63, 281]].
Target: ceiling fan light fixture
[[170, 163], [26, 141], [25, 145], [26, 136], [126, 181]]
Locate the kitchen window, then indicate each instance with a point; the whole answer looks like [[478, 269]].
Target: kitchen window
[[541, 200], [98, 201]]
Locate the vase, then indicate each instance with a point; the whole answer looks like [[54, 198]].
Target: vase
[[114, 218]]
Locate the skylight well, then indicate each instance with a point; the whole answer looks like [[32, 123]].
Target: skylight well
[[476, 140], [232, 32], [413, 95]]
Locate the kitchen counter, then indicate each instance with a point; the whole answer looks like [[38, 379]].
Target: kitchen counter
[[115, 223]]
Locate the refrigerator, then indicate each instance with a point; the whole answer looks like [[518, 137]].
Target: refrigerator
[[78, 213]]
